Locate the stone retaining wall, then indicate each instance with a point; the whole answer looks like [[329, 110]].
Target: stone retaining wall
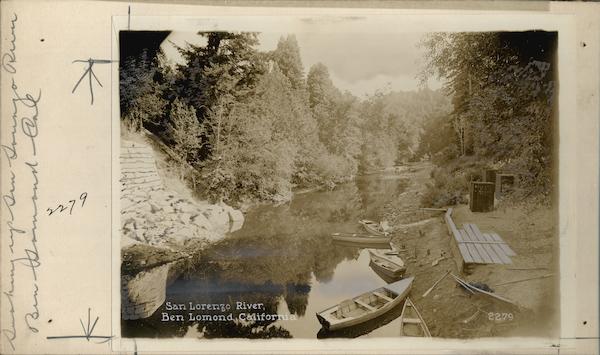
[[153, 215], [142, 294], [138, 169]]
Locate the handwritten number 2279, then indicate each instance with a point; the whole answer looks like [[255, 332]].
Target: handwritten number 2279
[[62, 208]]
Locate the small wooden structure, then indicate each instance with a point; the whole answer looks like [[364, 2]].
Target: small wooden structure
[[481, 196], [471, 246], [504, 182], [489, 175]]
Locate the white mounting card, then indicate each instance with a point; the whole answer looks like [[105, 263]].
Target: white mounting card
[[278, 176]]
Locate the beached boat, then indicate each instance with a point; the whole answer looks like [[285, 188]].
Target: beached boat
[[365, 307], [361, 245], [357, 238], [373, 227], [411, 322], [387, 262]]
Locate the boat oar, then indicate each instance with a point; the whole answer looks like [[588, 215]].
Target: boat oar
[[463, 284], [521, 280], [473, 288], [435, 284]]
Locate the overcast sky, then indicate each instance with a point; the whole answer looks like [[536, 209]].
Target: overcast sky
[[358, 62]]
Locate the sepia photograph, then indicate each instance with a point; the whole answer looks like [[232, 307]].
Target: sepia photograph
[[316, 184], [299, 177]]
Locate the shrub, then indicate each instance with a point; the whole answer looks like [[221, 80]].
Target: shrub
[[445, 188], [447, 154]]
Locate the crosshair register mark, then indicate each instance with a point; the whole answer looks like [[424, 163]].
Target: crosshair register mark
[[87, 331], [89, 72]]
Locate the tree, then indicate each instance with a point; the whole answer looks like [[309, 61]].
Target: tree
[[218, 75], [254, 148], [287, 58], [141, 96], [184, 130], [502, 87], [380, 148], [339, 125], [437, 136]]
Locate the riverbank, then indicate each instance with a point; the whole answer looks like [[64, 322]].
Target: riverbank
[[449, 310], [158, 209], [162, 222]]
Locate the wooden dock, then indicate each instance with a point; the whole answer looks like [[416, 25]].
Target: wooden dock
[[475, 247]]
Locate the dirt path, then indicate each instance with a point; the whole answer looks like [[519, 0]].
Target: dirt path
[[449, 310]]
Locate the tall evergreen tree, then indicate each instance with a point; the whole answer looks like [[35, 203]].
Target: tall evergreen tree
[[287, 57]]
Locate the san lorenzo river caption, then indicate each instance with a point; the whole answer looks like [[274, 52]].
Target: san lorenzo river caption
[[225, 308]]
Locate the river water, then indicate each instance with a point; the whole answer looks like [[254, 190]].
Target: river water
[[284, 259]]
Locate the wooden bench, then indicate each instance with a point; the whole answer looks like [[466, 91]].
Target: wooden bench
[[380, 295], [367, 306]]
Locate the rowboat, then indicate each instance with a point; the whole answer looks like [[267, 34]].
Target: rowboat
[[387, 262], [411, 322], [367, 306], [341, 243], [357, 238], [373, 227]]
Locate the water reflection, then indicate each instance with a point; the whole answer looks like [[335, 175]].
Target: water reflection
[[284, 258]]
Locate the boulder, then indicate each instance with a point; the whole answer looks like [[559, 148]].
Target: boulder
[[184, 206], [126, 241], [237, 220], [217, 216], [201, 221], [184, 217], [236, 217]]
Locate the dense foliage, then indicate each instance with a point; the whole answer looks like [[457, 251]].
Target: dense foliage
[[254, 125], [502, 88]]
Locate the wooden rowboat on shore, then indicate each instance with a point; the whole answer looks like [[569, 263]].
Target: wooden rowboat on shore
[[357, 238], [367, 306], [373, 227], [388, 263], [411, 322]]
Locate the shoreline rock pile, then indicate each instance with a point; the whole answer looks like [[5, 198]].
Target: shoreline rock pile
[[151, 214]]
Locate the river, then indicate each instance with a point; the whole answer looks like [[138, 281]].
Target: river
[[284, 258]]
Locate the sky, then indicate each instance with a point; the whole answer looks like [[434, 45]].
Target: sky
[[358, 62]]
